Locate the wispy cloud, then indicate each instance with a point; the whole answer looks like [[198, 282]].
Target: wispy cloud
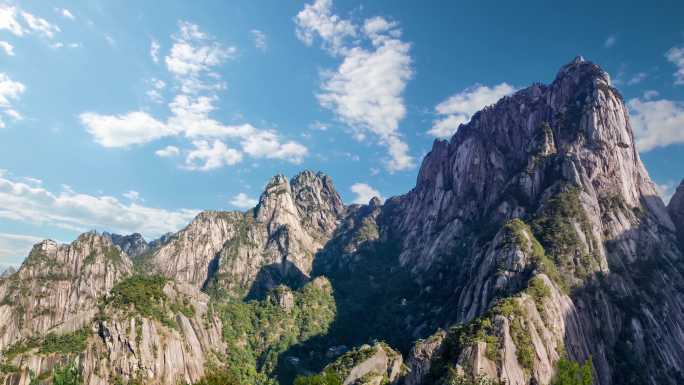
[[154, 50], [366, 90], [7, 48], [243, 201], [10, 91], [65, 13], [80, 212], [610, 41], [259, 39], [167, 152], [15, 247], [675, 55], [192, 63], [460, 107]]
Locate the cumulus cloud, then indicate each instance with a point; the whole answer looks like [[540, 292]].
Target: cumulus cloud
[[10, 91], [364, 193], [610, 41], [123, 130], [656, 123], [243, 201], [366, 90], [167, 152], [208, 156], [191, 62], [7, 47], [460, 107], [9, 20], [259, 39], [80, 212], [675, 55], [318, 19], [194, 51], [266, 144]]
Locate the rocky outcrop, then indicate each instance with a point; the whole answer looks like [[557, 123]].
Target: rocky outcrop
[[58, 286], [554, 168], [533, 235], [245, 254], [369, 365], [133, 245], [124, 346], [676, 210]]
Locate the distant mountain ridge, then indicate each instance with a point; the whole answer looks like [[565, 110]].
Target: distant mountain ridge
[[534, 238]]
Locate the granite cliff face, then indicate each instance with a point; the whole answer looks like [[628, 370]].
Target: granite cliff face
[[243, 254], [533, 237]]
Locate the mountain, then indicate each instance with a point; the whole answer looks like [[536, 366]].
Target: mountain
[[533, 245]]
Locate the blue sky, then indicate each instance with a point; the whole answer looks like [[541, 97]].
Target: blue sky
[[125, 116]]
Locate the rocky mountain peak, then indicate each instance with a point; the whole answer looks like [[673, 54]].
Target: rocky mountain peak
[[133, 244]]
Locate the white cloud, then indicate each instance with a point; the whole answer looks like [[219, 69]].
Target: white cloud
[[194, 52], [15, 247], [7, 47], [40, 25], [656, 123], [637, 78], [459, 108], [317, 19], [154, 50], [610, 41], [365, 92], [242, 201], [676, 56], [318, 126], [266, 144], [65, 13], [10, 90], [33, 181], [666, 190], [123, 130], [259, 39], [208, 156], [167, 152], [9, 20], [192, 63], [132, 195], [364, 193], [81, 212]]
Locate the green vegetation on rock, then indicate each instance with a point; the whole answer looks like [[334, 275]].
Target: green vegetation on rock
[[325, 378], [257, 332], [144, 295], [572, 373]]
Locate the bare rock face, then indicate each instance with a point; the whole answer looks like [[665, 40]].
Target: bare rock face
[[676, 210], [133, 245], [369, 365], [124, 346], [58, 286], [245, 254], [546, 186]]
